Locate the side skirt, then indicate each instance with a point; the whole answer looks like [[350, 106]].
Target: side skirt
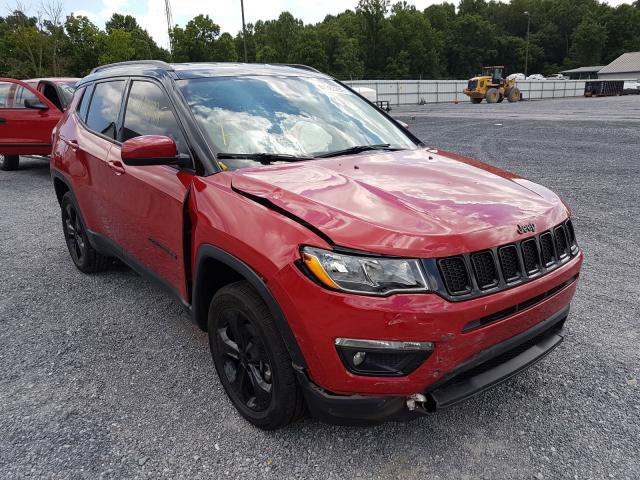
[[106, 246]]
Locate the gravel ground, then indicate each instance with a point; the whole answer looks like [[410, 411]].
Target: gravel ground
[[104, 376]]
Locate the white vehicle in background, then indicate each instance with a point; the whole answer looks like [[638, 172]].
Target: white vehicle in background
[[557, 76], [368, 93], [516, 76], [631, 87], [371, 95], [536, 76]]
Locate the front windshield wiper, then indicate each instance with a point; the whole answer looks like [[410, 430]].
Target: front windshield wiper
[[263, 158], [358, 149]]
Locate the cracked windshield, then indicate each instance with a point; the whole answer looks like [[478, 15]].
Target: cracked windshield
[[285, 118]]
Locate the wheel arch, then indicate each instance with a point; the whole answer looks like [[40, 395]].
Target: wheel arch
[[215, 268], [60, 185]]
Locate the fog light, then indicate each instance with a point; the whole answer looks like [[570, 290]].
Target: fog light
[[358, 358], [383, 358]]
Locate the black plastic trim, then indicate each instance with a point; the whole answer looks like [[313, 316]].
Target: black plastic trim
[[201, 308], [494, 317], [108, 247], [456, 387]]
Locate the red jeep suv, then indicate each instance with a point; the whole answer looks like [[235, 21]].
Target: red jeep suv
[[336, 262]]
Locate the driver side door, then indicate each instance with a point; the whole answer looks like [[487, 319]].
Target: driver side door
[[27, 119]]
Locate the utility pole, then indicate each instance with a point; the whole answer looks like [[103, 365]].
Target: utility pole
[[244, 33], [167, 11], [526, 55]]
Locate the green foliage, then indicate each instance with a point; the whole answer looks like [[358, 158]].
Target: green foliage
[[380, 39]]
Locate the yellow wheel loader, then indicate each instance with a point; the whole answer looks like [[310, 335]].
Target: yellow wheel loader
[[492, 86]]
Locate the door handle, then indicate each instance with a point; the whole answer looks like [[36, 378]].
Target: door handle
[[116, 166], [3, 120], [73, 145]]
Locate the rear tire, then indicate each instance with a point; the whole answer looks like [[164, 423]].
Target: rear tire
[[514, 95], [492, 95], [83, 255], [9, 162], [251, 359], [475, 100]]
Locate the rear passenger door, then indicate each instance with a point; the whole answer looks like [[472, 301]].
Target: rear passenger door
[[89, 144], [147, 203]]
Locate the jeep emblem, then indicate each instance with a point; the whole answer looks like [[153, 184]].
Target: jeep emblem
[[529, 227]]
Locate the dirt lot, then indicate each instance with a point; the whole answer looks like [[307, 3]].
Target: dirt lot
[[104, 376]]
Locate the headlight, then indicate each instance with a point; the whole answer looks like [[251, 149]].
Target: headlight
[[360, 274]]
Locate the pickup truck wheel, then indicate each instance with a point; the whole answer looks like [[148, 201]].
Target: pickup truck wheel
[[84, 256], [9, 162], [251, 359]]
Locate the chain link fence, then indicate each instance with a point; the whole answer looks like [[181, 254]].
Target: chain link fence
[[414, 92]]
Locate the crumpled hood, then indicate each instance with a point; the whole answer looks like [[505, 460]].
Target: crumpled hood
[[421, 202]]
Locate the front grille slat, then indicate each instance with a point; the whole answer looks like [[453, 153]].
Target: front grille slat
[[546, 249], [454, 273], [530, 256], [510, 263], [561, 241], [485, 270]]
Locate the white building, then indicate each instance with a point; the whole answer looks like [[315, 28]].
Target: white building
[[625, 67]]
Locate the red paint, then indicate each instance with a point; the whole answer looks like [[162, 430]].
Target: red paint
[[26, 131], [148, 146], [414, 203]]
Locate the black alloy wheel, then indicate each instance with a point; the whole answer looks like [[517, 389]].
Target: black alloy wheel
[[74, 234], [251, 359], [244, 360], [84, 256]]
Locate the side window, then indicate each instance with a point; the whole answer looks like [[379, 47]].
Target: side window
[[83, 104], [13, 95], [105, 105], [149, 112]]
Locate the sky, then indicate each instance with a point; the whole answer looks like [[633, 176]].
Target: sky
[[226, 13]]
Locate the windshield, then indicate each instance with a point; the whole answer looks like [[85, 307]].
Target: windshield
[[67, 90], [279, 115]]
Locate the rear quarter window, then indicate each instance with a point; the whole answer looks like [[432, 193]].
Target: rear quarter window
[[102, 115]]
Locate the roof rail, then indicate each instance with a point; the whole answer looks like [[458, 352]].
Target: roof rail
[[157, 63], [298, 65]]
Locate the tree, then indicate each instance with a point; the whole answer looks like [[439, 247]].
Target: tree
[[81, 47], [196, 42], [372, 17], [587, 42]]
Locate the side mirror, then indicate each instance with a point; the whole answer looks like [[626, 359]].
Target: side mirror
[[34, 103], [404, 125], [152, 150]]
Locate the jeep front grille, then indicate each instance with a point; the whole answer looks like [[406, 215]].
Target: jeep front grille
[[488, 271]]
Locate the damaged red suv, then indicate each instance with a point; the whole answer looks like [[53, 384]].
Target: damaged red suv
[[337, 263]]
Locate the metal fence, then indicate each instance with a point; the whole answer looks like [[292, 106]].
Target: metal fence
[[412, 92]]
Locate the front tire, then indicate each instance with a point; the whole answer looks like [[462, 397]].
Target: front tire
[[251, 359], [9, 162], [84, 256], [492, 95], [475, 100]]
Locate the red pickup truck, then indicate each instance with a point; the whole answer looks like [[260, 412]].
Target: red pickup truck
[[29, 110]]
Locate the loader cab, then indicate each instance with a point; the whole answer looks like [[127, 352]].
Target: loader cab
[[495, 72]]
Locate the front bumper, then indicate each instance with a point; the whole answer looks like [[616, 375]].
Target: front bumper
[[485, 370], [318, 316]]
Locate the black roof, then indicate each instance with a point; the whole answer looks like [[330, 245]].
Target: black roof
[[158, 68]]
